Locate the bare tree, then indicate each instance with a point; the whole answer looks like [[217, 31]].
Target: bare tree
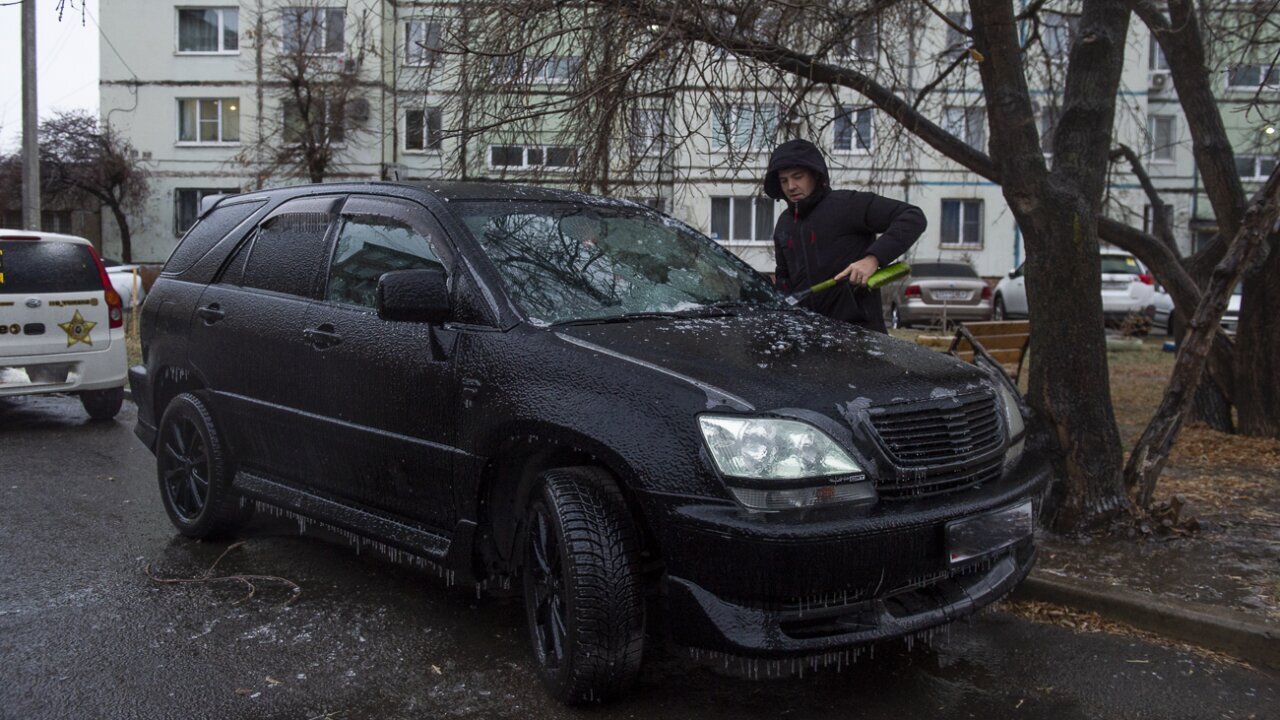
[[312, 86], [78, 154]]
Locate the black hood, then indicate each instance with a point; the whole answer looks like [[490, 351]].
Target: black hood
[[794, 153]]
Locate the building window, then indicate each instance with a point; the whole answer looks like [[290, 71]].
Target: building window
[[1253, 77], [647, 131], [208, 120], [323, 122], [852, 130], [1056, 34], [421, 42], [186, 205], [967, 123], [552, 70], [745, 126], [1149, 218], [1164, 138], [313, 30], [1255, 167], [515, 157], [957, 42], [208, 30], [422, 129], [1155, 55], [861, 45], [1048, 122], [962, 223], [742, 219]]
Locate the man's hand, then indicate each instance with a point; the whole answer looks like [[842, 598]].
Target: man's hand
[[859, 272]]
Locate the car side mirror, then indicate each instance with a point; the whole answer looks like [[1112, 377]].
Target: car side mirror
[[414, 295], [1013, 273]]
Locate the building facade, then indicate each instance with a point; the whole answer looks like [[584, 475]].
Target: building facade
[[200, 92]]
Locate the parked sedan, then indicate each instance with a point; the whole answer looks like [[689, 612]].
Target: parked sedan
[[1163, 312], [587, 400], [1127, 288], [937, 292]]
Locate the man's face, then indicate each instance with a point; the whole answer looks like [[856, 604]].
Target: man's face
[[797, 183]]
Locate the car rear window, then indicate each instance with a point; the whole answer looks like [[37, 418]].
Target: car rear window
[[943, 270], [1120, 265], [46, 266]]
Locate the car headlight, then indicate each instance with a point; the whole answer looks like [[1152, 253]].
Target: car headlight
[[790, 451], [1013, 420]]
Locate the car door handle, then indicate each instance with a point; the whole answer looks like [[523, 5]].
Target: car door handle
[[322, 337], [211, 313]]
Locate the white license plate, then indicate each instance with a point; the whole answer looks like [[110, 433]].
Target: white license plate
[[989, 532], [951, 294]]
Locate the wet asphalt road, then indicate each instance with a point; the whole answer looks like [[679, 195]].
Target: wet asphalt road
[[85, 633]]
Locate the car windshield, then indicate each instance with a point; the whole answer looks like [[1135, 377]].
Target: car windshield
[[566, 262], [1120, 265], [952, 270], [50, 266]]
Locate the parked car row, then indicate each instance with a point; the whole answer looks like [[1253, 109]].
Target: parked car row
[[1127, 288], [61, 321]]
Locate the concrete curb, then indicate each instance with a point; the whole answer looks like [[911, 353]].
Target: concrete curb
[[1235, 633]]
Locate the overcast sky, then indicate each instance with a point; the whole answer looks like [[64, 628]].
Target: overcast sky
[[67, 57]]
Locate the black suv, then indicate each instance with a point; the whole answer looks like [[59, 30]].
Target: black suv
[[589, 399]]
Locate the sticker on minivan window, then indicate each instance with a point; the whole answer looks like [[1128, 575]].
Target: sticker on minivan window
[[77, 330]]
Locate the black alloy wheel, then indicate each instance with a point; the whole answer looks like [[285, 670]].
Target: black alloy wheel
[[582, 588], [195, 482]]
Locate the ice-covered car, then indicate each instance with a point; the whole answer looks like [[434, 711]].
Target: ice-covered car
[[126, 278], [587, 400], [935, 292], [1127, 288], [1164, 319], [61, 322]]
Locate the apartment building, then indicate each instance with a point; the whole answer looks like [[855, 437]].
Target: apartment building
[[194, 88]]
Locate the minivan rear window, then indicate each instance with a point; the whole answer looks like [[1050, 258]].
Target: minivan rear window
[[1120, 265], [46, 266]]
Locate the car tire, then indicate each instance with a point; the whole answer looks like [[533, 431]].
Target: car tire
[[997, 309], [583, 593], [194, 475], [102, 404], [895, 318]]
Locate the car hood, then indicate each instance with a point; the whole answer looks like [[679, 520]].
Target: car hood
[[770, 361]]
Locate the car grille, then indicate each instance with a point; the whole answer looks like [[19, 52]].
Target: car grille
[[939, 445]]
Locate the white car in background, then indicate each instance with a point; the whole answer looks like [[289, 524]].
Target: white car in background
[[61, 322], [127, 281], [1127, 288], [1163, 317]]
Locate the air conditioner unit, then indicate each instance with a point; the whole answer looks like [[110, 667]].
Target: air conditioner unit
[[1159, 82], [358, 109]]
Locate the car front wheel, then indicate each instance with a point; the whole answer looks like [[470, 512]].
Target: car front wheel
[[997, 309], [582, 587], [102, 404], [895, 318], [195, 480]]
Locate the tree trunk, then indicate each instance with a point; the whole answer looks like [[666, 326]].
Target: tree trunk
[[1058, 213], [126, 239], [1258, 349], [1152, 450]]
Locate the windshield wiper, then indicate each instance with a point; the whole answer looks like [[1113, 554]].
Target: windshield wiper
[[700, 312]]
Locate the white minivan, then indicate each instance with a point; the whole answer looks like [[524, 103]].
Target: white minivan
[[61, 322]]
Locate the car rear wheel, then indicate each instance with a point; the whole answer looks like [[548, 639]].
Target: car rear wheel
[[102, 404], [195, 480], [582, 587], [997, 309]]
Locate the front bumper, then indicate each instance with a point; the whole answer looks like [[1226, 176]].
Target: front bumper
[[757, 587]]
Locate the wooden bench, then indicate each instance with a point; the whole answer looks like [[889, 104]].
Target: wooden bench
[[1004, 342]]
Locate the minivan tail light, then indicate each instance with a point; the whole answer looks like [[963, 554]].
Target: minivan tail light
[[115, 306], [986, 292], [1147, 279], [911, 291]]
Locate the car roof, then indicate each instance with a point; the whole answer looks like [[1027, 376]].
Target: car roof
[[30, 235], [455, 191]]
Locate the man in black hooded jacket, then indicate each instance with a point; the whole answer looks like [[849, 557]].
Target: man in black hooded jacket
[[829, 233]]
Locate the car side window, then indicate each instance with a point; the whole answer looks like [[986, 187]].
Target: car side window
[[369, 245], [287, 249]]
